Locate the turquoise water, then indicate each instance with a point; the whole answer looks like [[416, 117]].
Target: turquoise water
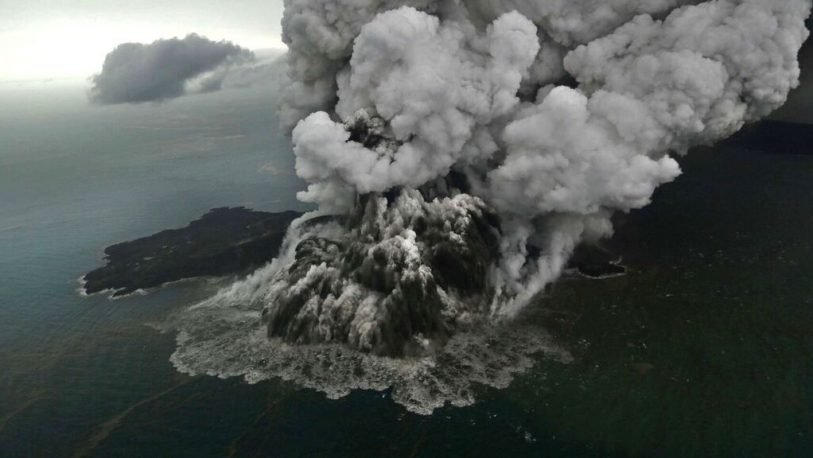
[[704, 348]]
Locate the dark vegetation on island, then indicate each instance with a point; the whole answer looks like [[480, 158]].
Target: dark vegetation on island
[[229, 241], [774, 137], [224, 241]]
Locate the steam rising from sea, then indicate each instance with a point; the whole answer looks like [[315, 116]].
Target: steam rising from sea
[[458, 152]]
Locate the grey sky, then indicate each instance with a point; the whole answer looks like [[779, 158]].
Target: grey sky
[[69, 38]]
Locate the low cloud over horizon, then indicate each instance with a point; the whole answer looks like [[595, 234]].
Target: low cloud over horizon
[[168, 68]]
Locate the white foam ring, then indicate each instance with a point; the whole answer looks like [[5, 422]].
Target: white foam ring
[[223, 339]]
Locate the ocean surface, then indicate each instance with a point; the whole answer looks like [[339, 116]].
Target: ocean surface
[[702, 349]]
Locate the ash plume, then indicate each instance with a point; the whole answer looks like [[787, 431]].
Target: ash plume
[[459, 151], [165, 69]]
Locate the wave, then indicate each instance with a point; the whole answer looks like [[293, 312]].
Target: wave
[[226, 339]]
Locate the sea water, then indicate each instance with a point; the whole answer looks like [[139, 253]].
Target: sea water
[[704, 348], [75, 178]]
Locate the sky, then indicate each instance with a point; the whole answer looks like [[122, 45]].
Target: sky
[[66, 39]]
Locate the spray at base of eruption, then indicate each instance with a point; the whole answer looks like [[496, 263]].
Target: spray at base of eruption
[[227, 340]]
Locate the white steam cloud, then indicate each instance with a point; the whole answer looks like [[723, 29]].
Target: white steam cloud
[[466, 147], [445, 81]]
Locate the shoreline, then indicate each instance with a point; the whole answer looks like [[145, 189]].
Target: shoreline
[[223, 242]]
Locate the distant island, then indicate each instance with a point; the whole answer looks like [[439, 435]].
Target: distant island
[[224, 241]]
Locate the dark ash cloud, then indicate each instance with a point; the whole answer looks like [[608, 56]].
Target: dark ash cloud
[[165, 69]]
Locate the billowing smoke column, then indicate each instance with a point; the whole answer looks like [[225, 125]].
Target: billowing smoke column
[[459, 151], [465, 148]]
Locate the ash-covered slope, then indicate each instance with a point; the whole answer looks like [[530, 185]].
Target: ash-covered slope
[[400, 273]]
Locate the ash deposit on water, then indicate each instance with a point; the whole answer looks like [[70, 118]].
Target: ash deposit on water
[[458, 152]]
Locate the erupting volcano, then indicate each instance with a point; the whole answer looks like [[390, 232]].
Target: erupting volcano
[[457, 153]]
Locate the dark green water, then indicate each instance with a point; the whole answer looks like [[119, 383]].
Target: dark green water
[[703, 349]]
